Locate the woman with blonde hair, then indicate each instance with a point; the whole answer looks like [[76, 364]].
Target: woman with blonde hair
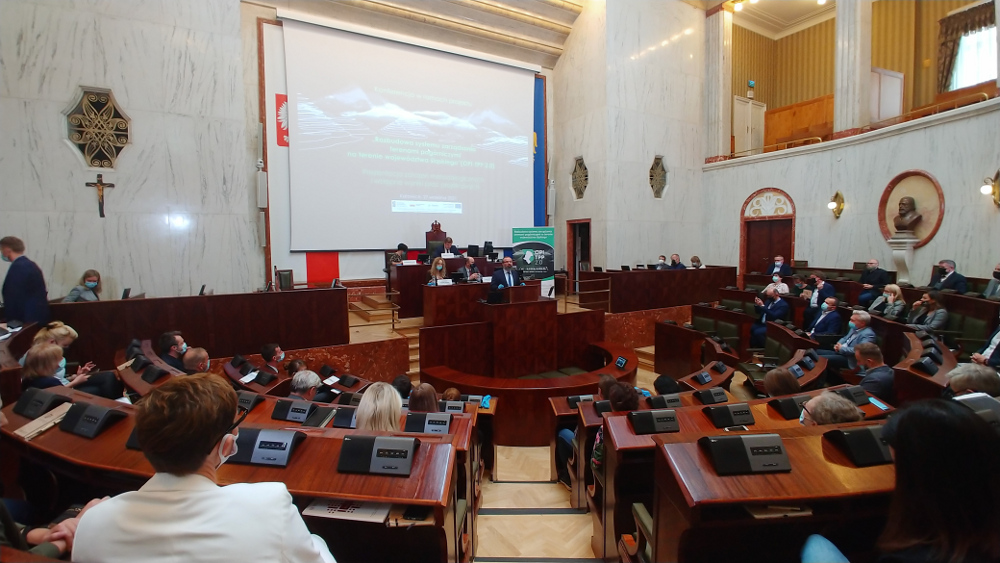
[[438, 271], [41, 363], [88, 289], [380, 408], [891, 303], [102, 383]]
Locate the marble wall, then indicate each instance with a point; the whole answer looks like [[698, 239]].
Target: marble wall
[[958, 148], [629, 88], [181, 213]]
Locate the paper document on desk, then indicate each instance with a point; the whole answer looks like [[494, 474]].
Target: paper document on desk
[[359, 511], [249, 377], [331, 380], [36, 427]]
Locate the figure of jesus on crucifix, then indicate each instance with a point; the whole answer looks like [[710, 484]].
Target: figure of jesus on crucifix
[[100, 185]]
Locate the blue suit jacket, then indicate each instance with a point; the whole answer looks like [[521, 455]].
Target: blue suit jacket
[[994, 359], [852, 339], [500, 279], [785, 271], [24, 295], [830, 324], [774, 310], [827, 291]]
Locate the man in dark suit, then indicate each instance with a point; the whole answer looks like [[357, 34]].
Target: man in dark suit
[[273, 356], [447, 248], [873, 279], [842, 355], [172, 349], [993, 288], [25, 298], [878, 377], [774, 308], [820, 291], [989, 355], [675, 262], [780, 267], [470, 271], [506, 277], [828, 321], [947, 278]]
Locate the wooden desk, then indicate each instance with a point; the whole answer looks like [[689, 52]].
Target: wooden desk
[[106, 461], [460, 303], [738, 323], [133, 380], [222, 324], [408, 283], [746, 298], [639, 290], [891, 336], [11, 555], [694, 508], [678, 350], [11, 351], [912, 385]]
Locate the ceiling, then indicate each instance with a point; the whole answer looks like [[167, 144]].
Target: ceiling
[[778, 18]]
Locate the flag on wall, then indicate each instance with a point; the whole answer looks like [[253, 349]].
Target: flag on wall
[[281, 119]]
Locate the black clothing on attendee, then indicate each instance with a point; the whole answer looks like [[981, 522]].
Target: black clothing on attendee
[[878, 382], [173, 362], [24, 295]]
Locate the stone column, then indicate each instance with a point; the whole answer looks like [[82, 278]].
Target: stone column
[[718, 82], [852, 83]]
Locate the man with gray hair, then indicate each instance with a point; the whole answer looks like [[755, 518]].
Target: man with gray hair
[[829, 408], [842, 355], [304, 385], [947, 278], [974, 378]]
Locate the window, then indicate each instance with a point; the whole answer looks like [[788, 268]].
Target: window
[[976, 61]]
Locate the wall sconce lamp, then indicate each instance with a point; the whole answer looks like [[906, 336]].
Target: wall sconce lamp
[[991, 187], [836, 204]]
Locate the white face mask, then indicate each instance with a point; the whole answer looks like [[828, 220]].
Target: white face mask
[[663, 261], [222, 457]]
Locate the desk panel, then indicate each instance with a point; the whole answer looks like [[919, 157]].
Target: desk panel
[[638, 290]]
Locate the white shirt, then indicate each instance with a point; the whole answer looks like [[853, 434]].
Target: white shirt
[[780, 287], [993, 346], [185, 519]]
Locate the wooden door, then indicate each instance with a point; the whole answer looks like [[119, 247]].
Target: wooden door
[[741, 126], [765, 240]]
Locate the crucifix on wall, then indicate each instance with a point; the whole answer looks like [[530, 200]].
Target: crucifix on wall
[[100, 185]]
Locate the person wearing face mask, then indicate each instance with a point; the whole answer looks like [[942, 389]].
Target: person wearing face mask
[[945, 277], [438, 271], [821, 290], [777, 285], [509, 276], [24, 295], [774, 308], [675, 263], [797, 286], [696, 264], [828, 321], [842, 355], [989, 354], [661, 263], [86, 378], [891, 303], [927, 313], [878, 377], [973, 378], [993, 288], [89, 288], [172, 348], [779, 267], [873, 279], [196, 360], [187, 428], [273, 355]]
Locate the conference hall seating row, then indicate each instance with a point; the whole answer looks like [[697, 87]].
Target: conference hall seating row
[[639, 290]]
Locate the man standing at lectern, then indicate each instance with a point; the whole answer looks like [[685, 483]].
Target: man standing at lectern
[[507, 277]]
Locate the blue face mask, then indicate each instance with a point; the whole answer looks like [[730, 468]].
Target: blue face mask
[[90, 285], [802, 417], [184, 348], [281, 358], [4, 258], [824, 307], [62, 364], [851, 325], [776, 279], [440, 267]]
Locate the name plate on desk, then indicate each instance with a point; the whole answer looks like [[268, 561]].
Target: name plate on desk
[[261, 446], [730, 415], [427, 422], [487, 279], [447, 255], [711, 396], [451, 406], [789, 407], [409, 263], [672, 400], [472, 398], [385, 455], [654, 422], [740, 455], [574, 400], [292, 411], [87, 420], [865, 446], [35, 402], [248, 399]]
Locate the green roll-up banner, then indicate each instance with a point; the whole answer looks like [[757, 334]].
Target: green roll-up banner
[[534, 254]]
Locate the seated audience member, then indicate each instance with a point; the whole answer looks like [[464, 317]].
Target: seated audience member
[[380, 408], [604, 384], [403, 385], [829, 408], [780, 267], [507, 276], [993, 288], [304, 385], [934, 515], [777, 285], [878, 377], [696, 263], [947, 278], [295, 366], [873, 279], [172, 348], [470, 271], [666, 385], [438, 271], [842, 355], [451, 394], [272, 355], [89, 288], [927, 313], [820, 290], [774, 308], [623, 398], [675, 262], [989, 354], [87, 378], [196, 360], [828, 321], [797, 287], [566, 436], [424, 399], [891, 303], [974, 378], [187, 429], [661, 263], [779, 382], [399, 255]]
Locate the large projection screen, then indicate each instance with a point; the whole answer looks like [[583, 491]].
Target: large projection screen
[[387, 137]]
